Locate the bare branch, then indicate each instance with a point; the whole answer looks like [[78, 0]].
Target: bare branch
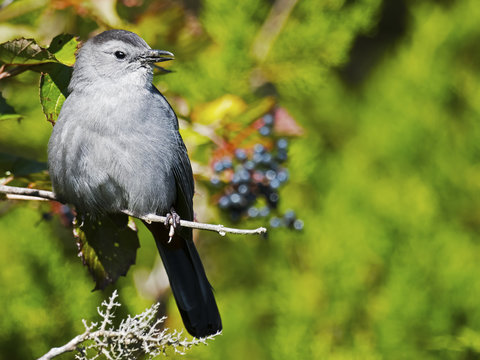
[[25, 197], [42, 194], [140, 333], [5, 73], [70, 346], [18, 193]]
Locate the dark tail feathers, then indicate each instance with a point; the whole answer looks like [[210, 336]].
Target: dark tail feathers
[[191, 289]]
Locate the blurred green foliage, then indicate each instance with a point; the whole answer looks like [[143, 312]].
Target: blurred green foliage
[[386, 177]]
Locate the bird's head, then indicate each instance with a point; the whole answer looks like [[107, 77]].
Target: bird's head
[[116, 56]]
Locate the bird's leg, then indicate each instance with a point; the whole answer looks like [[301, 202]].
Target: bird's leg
[[172, 219]]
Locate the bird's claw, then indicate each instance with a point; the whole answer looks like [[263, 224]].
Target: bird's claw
[[172, 219]]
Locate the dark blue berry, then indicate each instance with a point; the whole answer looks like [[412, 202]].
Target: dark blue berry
[[275, 222], [265, 131], [267, 159], [235, 198], [298, 225], [227, 163], [224, 202], [281, 156], [275, 184], [243, 189], [282, 144], [270, 174], [257, 158], [264, 211], [238, 201], [259, 149], [218, 166], [241, 154], [215, 181], [236, 179], [283, 175], [253, 212], [244, 175], [249, 165], [289, 217], [273, 199], [268, 119]]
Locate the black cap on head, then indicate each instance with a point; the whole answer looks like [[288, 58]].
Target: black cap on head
[[123, 35]]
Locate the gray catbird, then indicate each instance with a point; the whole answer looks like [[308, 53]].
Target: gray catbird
[[116, 146]]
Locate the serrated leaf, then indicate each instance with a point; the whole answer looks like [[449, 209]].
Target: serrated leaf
[[54, 89], [24, 52], [107, 246], [63, 47]]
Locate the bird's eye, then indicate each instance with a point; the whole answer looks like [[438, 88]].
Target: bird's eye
[[119, 55]]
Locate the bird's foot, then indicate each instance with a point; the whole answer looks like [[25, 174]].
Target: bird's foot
[[172, 219]]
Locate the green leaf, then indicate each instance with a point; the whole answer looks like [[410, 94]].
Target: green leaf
[[54, 63], [27, 52], [63, 47], [107, 246], [54, 89], [24, 52], [7, 112]]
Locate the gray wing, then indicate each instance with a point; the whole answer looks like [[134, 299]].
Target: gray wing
[[191, 289], [182, 170]]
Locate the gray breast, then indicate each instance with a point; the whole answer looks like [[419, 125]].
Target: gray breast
[[108, 159]]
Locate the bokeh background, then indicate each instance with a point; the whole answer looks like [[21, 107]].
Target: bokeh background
[[386, 178]]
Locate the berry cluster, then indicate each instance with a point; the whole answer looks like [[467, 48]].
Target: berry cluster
[[289, 219], [250, 178]]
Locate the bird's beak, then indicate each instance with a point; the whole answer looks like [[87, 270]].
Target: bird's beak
[[156, 56]]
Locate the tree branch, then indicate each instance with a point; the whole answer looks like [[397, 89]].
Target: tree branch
[[70, 346], [18, 193], [140, 333]]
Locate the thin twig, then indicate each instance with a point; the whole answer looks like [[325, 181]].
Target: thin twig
[[18, 193], [70, 346], [42, 194], [25, 197], [5, 73]]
